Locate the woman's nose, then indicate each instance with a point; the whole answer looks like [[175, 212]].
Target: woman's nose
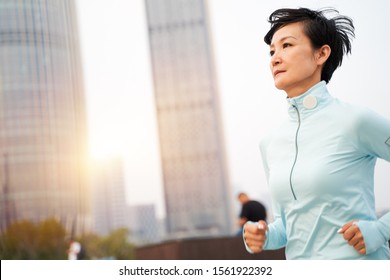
[[275, 59]]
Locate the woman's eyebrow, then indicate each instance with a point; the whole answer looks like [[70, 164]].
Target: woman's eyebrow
[[284, 38]]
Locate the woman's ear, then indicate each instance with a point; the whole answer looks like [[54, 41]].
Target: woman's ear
[[322, 54]]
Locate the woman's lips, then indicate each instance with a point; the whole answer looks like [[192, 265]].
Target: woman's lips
[[278, 72]]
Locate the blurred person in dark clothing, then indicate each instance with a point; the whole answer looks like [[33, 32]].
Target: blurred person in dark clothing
[[251, 210]]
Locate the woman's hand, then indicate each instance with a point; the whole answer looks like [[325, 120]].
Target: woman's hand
[[353, 235], [255, 235]]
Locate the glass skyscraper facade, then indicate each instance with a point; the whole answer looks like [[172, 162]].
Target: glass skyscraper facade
[[196, 184], [43, 156]]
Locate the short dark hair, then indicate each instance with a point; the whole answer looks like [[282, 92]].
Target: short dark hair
[[336, 32]]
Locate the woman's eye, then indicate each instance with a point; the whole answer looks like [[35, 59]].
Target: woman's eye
[[285, 45], [271, 53]]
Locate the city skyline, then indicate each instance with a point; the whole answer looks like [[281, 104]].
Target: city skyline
[[251, 105]]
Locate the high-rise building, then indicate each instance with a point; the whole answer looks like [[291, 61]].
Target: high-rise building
[[143, 224], [42, 115], [194, 165], [109, 195]]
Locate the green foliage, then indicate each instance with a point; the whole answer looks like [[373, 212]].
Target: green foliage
[[51, 240], [19, 241], [115, 246], [24, 240], [91, 243]]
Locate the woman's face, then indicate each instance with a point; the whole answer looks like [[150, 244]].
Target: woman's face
[[294, 64]]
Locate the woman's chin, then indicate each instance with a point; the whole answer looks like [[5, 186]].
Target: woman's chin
[[279, 86]]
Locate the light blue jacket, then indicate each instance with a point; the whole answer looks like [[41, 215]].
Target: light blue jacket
[[320, 170]]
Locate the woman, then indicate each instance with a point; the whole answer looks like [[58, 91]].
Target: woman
[[320, 164]]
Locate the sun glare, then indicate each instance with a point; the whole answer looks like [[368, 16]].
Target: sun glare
[[105, 144], [104, 150]]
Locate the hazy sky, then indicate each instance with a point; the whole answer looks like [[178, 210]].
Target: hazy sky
[[120, 98]]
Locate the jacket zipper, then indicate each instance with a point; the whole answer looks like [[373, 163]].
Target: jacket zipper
[[296, 152]]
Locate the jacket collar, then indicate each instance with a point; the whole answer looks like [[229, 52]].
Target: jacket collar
[[309, 102]]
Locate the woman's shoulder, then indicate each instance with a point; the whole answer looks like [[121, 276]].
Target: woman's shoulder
[[357, 118], [344, 107]]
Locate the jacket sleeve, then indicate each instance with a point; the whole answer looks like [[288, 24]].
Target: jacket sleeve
[[276, 237], [375, 233], [374, 139], [276, 234]]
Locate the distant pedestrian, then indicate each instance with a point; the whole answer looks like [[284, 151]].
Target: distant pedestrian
[[74, 250], [251, 210]]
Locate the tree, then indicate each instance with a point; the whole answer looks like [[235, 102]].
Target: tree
[[24, 240], [115, 245], [51, 243], [19, 241]]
